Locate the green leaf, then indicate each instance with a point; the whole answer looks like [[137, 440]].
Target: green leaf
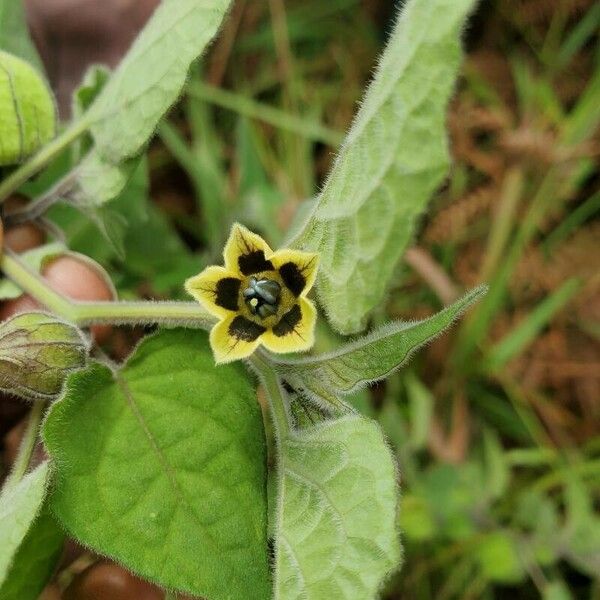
[[527, 331], [582, 531], [14, 34], [161, 465], [111, 200], [35, 560], [421, 409], [95, 184], [35, 259], [498, 558], [19, 506], [37, 351], [98, 182], [557, 590], [150, 77], [393, 159], [336, 535], [369, 358], [93, 82], [496, 466], [418, 521], [260, 201]]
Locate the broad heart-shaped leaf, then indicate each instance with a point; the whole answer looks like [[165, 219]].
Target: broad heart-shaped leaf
[[368, 359], [14, 35], [35, 560], [336, 534], [150, 77], [19, 506], [162, 466], [393, 159]]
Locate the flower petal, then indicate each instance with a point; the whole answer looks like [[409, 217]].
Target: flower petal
[[298, 269], [246, 253], [217, 289], [295, 331], [235, 337]]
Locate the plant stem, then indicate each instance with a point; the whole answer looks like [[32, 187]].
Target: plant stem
[[188, 314], [42, 158], [27, 445], [277, 404]]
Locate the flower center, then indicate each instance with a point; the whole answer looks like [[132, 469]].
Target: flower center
[[262, 297]]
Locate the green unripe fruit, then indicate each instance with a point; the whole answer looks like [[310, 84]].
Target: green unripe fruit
[[27, 111]]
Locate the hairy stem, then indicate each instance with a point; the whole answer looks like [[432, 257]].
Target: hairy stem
[[187, 314], [277, 404], [42, 158], [27, 445]]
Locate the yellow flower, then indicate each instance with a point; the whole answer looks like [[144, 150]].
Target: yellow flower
[[259, 297]]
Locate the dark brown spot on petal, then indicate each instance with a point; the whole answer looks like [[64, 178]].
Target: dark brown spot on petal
[[245, 329], [254, 262], [292, 277], [227, 293], [288, 322]]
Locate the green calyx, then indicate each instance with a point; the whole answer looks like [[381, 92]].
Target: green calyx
[[37, 351], [27, 111]]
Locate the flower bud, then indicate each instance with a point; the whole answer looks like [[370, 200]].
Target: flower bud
[[37, 351]]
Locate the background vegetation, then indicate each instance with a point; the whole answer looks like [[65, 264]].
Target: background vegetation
[[496, 425]]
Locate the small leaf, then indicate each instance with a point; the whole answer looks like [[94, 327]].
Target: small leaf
[[150, 77], [496, 466], [27, 111], [161, 466], [91, 186], [529, 328], [19, 506], [370, 358], [260, 201], [35, 259], [93, 82], [498, 558], [37, 351], [98, 182], [421, 408], [556, 590], [418, 522], [582, 529], [336, 536], [393, 159], [35, 560], [109, 220]]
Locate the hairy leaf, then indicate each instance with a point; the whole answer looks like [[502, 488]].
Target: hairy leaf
[[14, 35], [336, 536], [37, 351], [35, 560], [369, 358], [161, 466], [150, 77], [393, 159], [19, 506], [91, 188]]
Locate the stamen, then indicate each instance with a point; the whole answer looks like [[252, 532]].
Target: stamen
[[262, 296]]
